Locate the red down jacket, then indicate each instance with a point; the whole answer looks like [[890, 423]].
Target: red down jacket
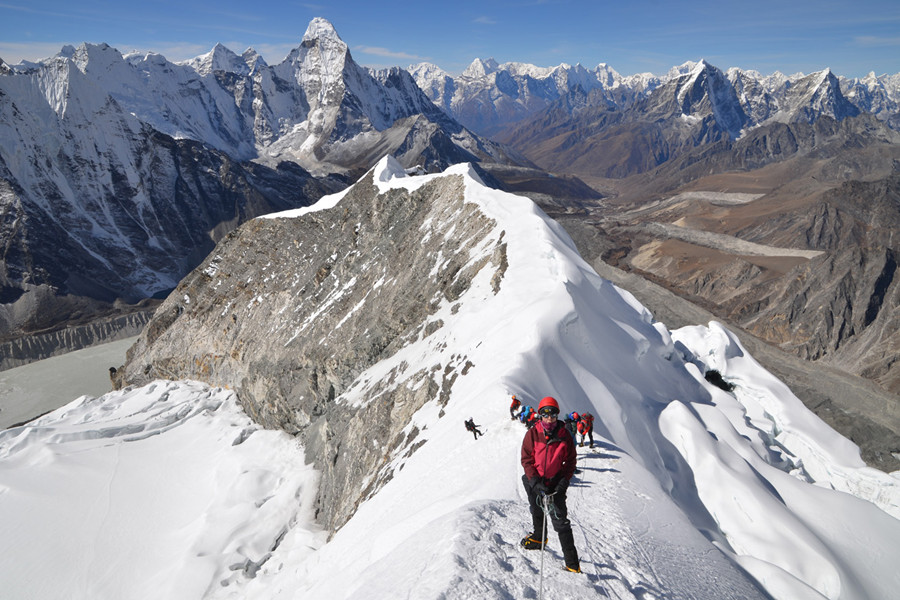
[[586, 424], [549, 457]]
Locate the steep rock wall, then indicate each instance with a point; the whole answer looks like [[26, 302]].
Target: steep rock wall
[[290, 312]]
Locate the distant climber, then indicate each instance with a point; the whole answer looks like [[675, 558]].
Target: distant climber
[[586, 429], [471, 426], [533, 419], [549, 458], [526, 412], [571, 423], [514, 407]]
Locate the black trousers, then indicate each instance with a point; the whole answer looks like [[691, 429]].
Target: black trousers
[[588, 434], [558, 517]]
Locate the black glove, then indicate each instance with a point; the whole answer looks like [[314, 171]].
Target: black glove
[[562, 486], [540, 488]]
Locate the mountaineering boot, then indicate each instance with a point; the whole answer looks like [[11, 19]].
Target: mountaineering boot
[[570, 554], [531, 542]]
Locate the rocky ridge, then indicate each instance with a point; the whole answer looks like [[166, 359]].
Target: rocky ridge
[[294, 324]]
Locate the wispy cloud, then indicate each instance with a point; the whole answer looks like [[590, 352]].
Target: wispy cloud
[[871, 40], [30, 9], [378, 51], [485, 21], [14, 53]]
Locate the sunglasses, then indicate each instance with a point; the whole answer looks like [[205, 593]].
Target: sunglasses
[[546, 414]]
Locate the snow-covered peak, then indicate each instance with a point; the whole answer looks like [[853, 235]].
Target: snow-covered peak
[[322, 31], [219, 58], [253, 60], [318, 63], [682, 69], [426, 70], [97, 57], [870, 80], [815, 95], [704, 90], [67, 51], [480, 68], [702, 66], [518, 69], [607, 76], [699, 74]]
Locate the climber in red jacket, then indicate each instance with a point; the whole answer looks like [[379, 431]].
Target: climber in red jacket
[[586, 428], [548, 457], [514, 407]]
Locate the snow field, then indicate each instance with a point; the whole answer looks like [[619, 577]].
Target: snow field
[[146, 493]]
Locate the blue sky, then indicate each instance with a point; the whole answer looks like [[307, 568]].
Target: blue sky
[[632, 36]]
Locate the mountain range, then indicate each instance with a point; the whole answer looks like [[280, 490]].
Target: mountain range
[[290, 420], [119, 173], [696, 164], [488, 96]]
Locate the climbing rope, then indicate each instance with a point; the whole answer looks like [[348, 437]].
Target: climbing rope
[[545, 505]]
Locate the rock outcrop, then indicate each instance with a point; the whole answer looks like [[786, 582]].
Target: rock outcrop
[[290, 312]]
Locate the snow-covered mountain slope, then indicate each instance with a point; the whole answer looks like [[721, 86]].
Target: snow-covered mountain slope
[[691, 491], [99, 204]]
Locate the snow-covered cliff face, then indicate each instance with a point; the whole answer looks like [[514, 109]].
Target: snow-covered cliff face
[[98, 204]]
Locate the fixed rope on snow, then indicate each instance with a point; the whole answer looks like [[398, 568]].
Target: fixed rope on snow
[[546, 506]]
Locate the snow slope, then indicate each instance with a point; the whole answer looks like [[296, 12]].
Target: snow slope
[[690, 492]]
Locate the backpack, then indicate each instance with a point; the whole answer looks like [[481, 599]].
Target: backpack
[[586, 423]]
